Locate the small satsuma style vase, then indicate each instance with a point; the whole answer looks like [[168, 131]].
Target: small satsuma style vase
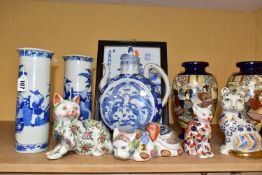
[[78, 81], [193, 86], [249, 78], [33, 100]]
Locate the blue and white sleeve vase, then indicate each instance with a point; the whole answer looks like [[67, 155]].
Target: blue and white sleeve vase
[[33, 100], [78, 82]]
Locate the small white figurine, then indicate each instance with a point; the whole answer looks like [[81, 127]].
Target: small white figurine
[[198, 133], [83, 137], [241, 137], [156, 140]]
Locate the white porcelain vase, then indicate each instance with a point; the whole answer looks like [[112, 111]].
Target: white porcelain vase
[[33, 100], [78, 81]]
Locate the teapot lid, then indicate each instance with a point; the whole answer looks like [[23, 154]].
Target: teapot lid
[[128, 57]]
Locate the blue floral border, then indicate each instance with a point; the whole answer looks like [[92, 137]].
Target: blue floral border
[[78, 58], [35, 53], [30, 147]]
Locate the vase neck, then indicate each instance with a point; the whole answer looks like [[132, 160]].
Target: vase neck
[[250, 67], [195, 68], [129, 64]]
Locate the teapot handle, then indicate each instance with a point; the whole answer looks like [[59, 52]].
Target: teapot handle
[[105, 77], [163, 75]]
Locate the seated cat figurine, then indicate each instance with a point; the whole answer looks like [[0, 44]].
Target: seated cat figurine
[[83, 137], [155, 140], [241, 137], [198, 133]]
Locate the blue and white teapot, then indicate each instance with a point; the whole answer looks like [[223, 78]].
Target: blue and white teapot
[[129, 101]]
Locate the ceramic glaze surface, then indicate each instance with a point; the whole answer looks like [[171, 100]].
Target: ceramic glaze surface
[[194, 86], [78, 80], [240, 134], [198, 133], [34, 52], [153, 141], [129, 101], [250, 80], [33, 101], [88, 137]]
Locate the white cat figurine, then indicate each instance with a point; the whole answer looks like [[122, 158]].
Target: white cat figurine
[[156, 140], [198, 133], [241, 137], [83, 137]]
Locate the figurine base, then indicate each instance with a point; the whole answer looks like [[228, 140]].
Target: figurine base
[[245, 155]]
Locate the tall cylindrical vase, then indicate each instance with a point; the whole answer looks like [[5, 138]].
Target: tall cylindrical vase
[[33, 101], [249, 78], [78, 80], [193, 86]]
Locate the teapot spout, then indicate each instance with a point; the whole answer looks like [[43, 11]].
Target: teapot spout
[[105, 77]]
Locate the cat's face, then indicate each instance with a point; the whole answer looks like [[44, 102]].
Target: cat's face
[[232, 101], [203, 114], [65, 108], [121, 144]]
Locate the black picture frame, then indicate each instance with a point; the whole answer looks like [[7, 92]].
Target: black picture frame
[[99, 68]]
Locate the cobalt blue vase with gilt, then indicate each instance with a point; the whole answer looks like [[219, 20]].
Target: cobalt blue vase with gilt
[[33, 100], [129, 101]]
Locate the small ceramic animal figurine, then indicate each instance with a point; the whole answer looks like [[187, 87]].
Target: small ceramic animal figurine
[[241, 137], [156, 140], [83, 137], [198, 133]]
